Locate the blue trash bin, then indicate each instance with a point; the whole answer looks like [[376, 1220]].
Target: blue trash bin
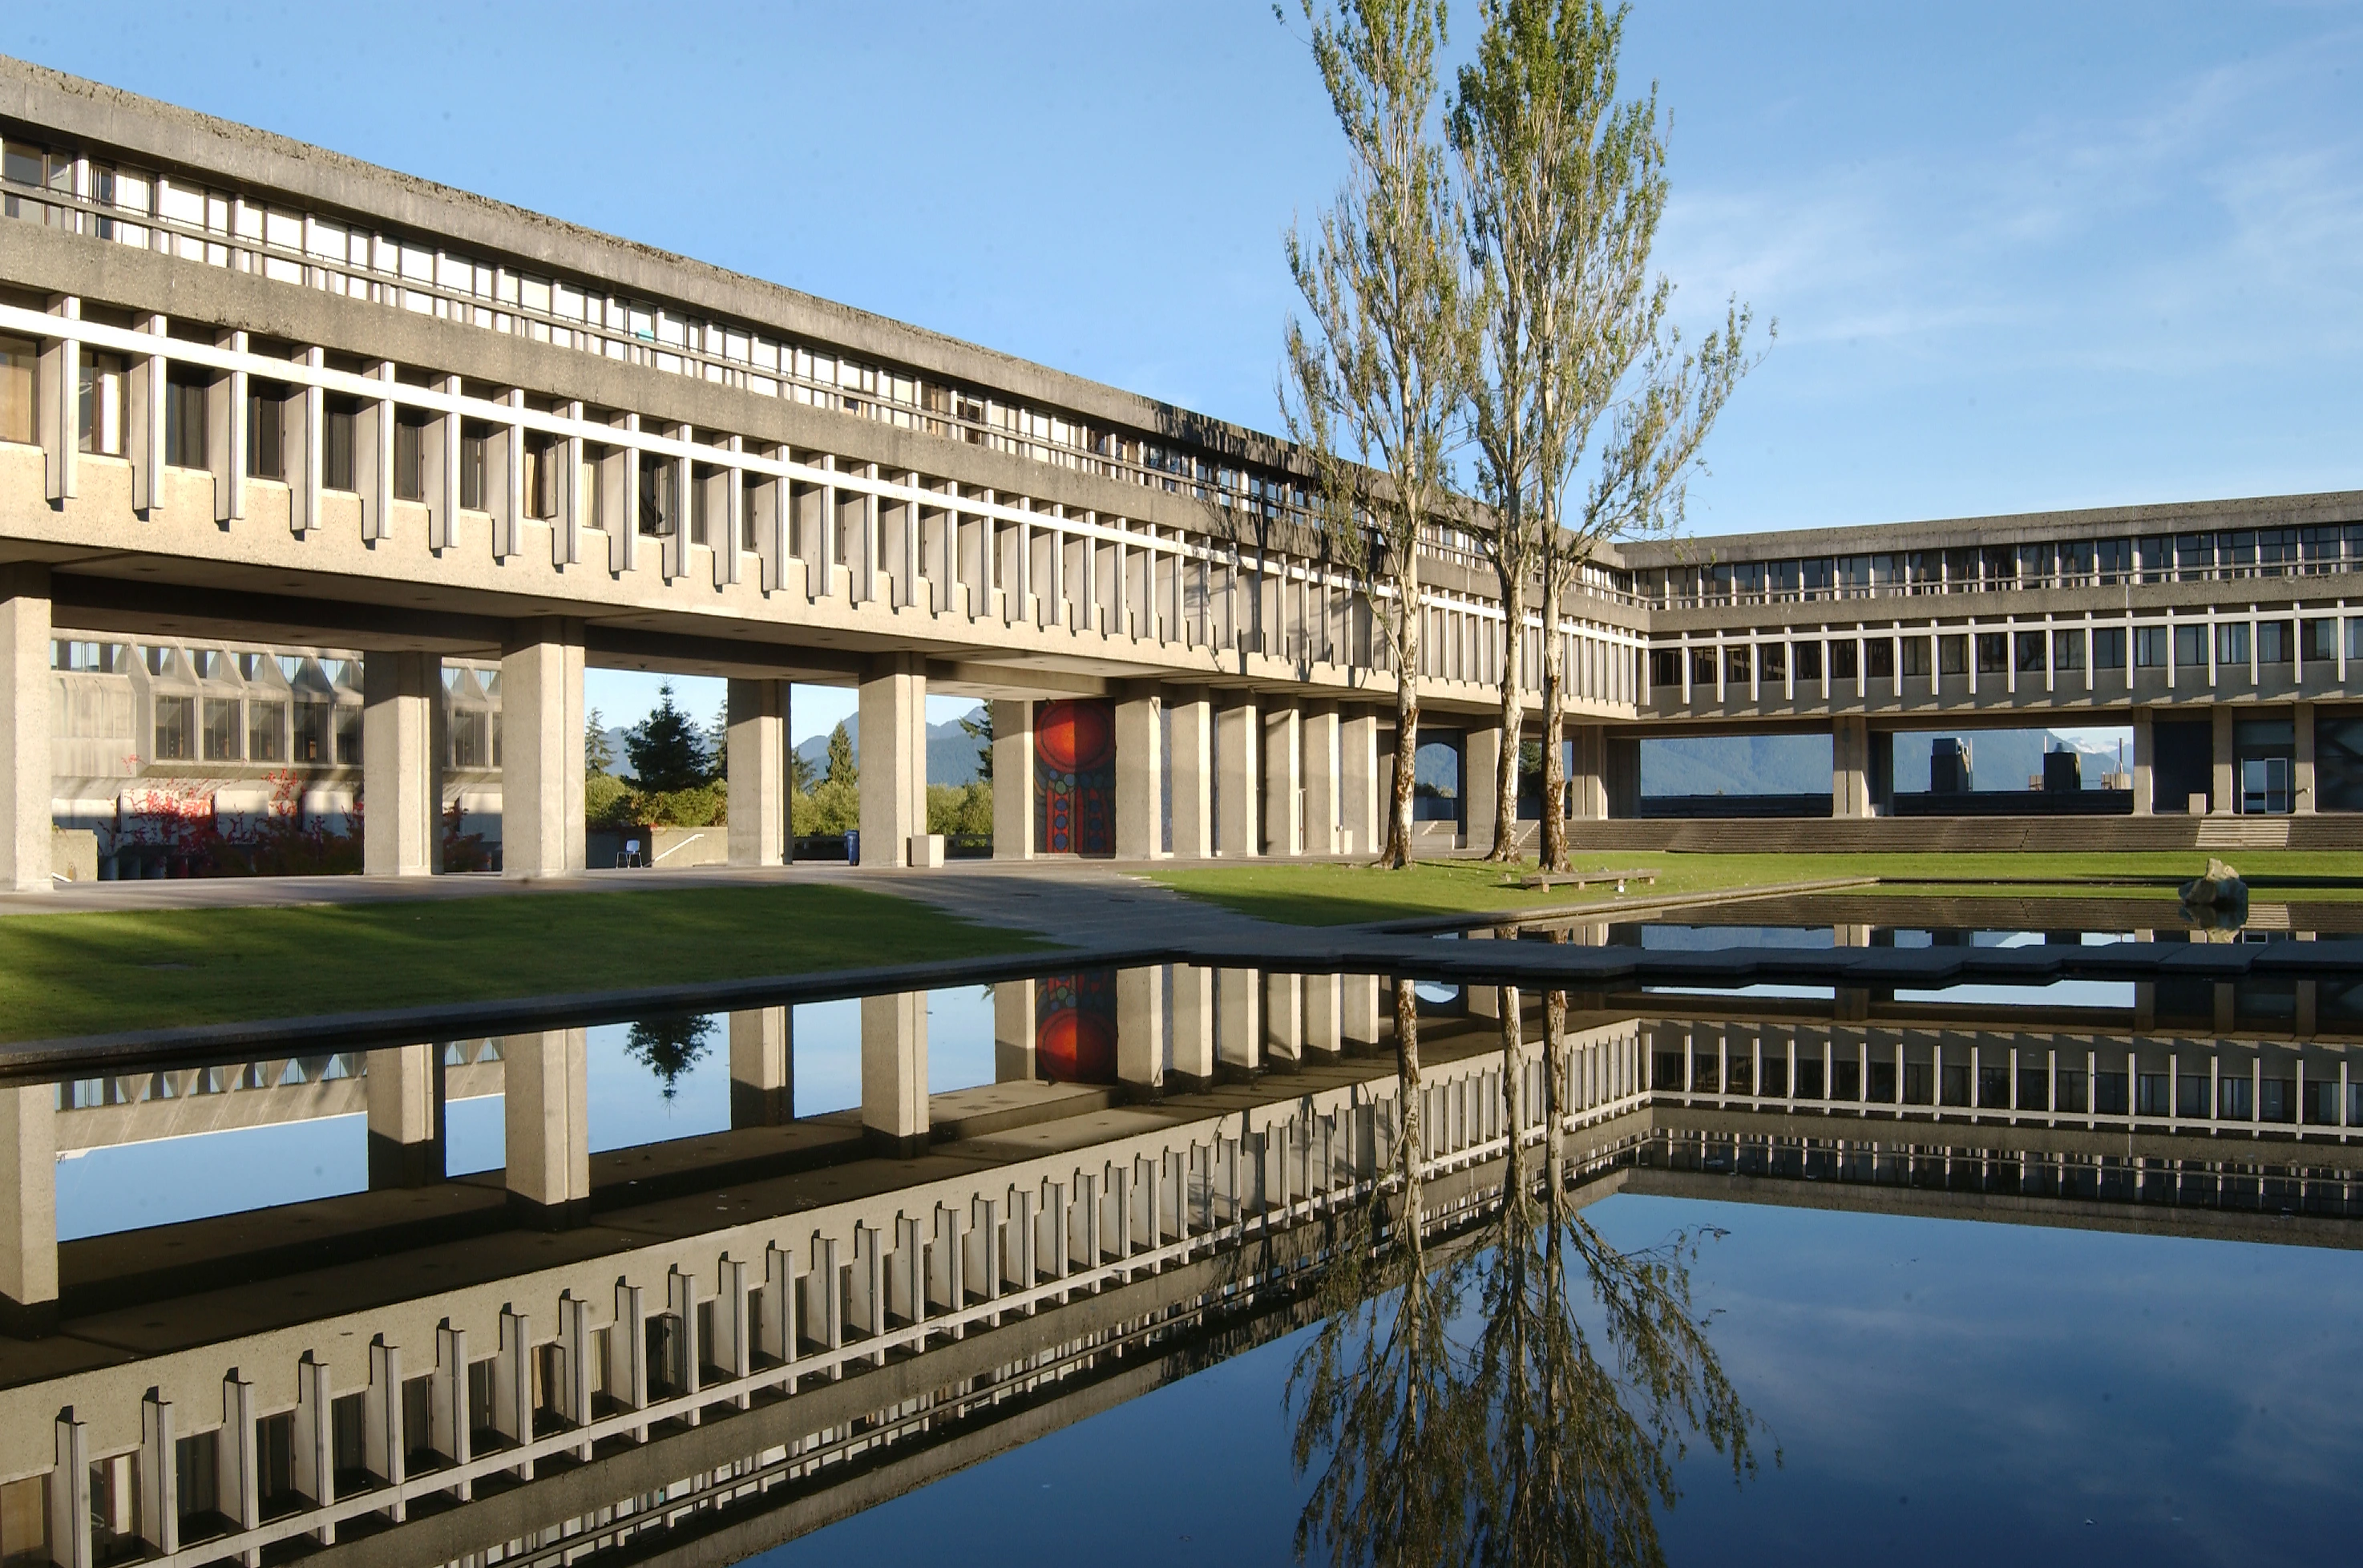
[[853, 847]]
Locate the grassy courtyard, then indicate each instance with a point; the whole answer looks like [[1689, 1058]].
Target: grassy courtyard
[[1346, 895], [71, 974]]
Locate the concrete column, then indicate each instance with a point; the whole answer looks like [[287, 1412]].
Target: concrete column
[[1358, 1011], [28, 1209], [1283, 782], [403, 1087], [2225, 796], [758, 771], [1139, 780], [1239, 1022], [1620, 775], [1850, 766], [1192, 718], [1140, 1027], [1194, 1024], [894, 707], [1013, 1028], [25, 769], [541, 750], [1283, 1019], [1361, 801], [1587, 784], [1325, 996], [1324, 816], [762, 1067], [1480, 761], [402, 776], [894, 1072], [2145, 761], [2301, 770], [546, 1110], [1013, 781], [1238, 744]]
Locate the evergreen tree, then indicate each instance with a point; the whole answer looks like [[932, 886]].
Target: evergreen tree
[[840, 768], [669, 1046], [598, 751], [977, 724], [667, 750], [717, 742]]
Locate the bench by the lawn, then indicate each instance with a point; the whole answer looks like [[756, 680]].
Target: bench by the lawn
[[1546, 880]]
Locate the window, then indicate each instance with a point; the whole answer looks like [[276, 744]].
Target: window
[[2190, 648], [266, 457], [2319, 640], [1844, 660], [2114, 558], [337, 469], [754, 484], [543, 453], [2067, 650], [266, 731], [99, 421], [473, 441], [184, 421], [1998, 565], [1880, 653], [2030, 653], [311, 731], [221, 730], [1665, 667], [2194, 556], [1775, 656], [1993, 653], [348, 735], [469, 738], [17, 357], [176, 722], [410, 455], [2274, 642], [2108, 648], [1809, 660], [657, 500], [2150, 645], [1953, 654], [1736, 663], [1915, 656], [2157, 558], [87, 658], [2232, 643]]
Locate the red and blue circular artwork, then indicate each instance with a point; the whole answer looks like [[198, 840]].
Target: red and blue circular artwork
[[1074, 778]]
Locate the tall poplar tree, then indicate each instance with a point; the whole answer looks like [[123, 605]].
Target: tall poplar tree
[[1374, 373], [1584, 371]]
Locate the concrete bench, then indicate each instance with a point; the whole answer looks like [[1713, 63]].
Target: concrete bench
[[1578, 879]]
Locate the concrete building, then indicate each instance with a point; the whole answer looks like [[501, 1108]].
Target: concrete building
[[255, 395]]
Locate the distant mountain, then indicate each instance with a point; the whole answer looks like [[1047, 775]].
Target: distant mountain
[[952, 755]]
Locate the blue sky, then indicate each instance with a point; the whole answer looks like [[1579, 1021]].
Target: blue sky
[[2022, 256]]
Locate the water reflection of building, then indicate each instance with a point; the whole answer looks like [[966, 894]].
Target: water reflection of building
[[711, 1344]]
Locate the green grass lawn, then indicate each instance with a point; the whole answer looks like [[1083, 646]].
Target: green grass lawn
[[1346, 895], [71, 974]]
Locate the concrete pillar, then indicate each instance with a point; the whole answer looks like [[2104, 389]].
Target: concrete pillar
[[1850, 766], [1283, 782], [1325, 997], [2145, 761], [2301, 770], [1620, 775], [1013, 1028], [541, 750], [1239, 1022], [1283, 1019], [894, 707], [2223, 795], [1140, 1027], [1361, 803], [404, 1085], [762, 1067], [1139, 780], [402, 774], [1358, 1012], [1194, 1024], [1323, 818], [1190, 718], [544, 1084], [25, 769], [1013, 781], [758, 760], [1238, 742], [894, 1072], [28, 1209], [1587, 782], [1480, 761]]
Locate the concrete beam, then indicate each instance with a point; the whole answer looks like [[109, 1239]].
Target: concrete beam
[[1192, 734], [893, 708], [1284, 780], [1139, 779], [1013, 781], [25, 683], [1238, 742], [758, 763], [401, 772], [541, 751]]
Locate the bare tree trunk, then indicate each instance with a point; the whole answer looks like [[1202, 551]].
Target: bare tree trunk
[[1515, 1184], [1514, 714], [1412, 1136], [1553, 851], [1399, 848]]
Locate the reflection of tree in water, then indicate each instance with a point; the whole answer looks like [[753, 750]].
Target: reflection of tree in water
[[1543, 1442], [669, 1047]]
